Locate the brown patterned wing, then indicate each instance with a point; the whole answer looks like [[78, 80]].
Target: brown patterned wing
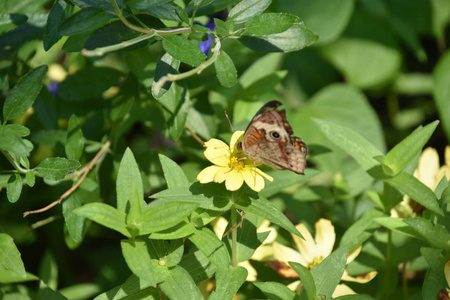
[[280, 155]]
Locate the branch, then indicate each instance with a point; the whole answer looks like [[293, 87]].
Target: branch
[[98, 157], [175, 77]]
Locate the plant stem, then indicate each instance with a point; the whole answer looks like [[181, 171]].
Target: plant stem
[[146, 30], [174, 77], [234, 214], [387, 277]]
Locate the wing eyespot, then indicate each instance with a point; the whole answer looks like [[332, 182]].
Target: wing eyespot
[[275, 135]]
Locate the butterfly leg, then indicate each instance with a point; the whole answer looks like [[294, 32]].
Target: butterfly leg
[[237, 225]]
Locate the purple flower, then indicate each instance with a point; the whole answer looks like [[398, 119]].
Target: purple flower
[[53, 88], [206, 45]]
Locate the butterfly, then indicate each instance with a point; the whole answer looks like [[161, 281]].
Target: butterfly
[[268, 139]]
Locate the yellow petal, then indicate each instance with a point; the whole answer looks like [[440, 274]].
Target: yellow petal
[[217, 152], [221, 175], [265, 227], [263, 253], [251, 272], [428, 167], [342, 290], [234, 180], [307, 246], [447, 272], [447, 155], [268, 177], [364, 278], [295, 286], [236, 138], [219, 225], [253, 179], [325, 237], [286, 254], [208, 174], [353, 254]]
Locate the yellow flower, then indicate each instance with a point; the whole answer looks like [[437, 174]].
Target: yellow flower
[[312, 251], [429, 173], [231, 166]]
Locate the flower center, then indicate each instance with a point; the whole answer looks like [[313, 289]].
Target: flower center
[[236, 164], [316, 261]]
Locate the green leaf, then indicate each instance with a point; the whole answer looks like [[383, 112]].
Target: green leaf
[[208, 196], [283, 180], [308, 285], [178, 284], [160, 9], [396, 224], [270, 23], [441, 90], [416, 190], [20, 130], [328, 273], [198, 265], [225, 70], [362, 229], [87, 83], [74, 141], [201, 3], [354, 144], [354, 297], [57, 14], [23, 94], [181, 230], [435, 278], [402, 153], [166, 215], [133, 287], [134, 219], [434, 234], [295, 38], [129, 182], [83, 21], [104, 215], [166, 65], [11, 21], [208, 243], [228, 282], [56, 168], [247, 240], [178, 104], [14, 187], [276, 290], [138, 259], [221, 28], [10, 141], [10, 256], [75, 223], [183, 50], [173, 174], [264, 208], [337, 14], [7, 276], [30, 178], [247, 9]]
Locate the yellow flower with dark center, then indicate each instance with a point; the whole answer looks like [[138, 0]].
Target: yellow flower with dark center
[[231, 165]]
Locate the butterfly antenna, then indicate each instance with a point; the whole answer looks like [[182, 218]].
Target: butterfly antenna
[[229, 122]]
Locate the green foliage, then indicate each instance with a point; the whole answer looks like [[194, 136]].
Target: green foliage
[[106, 104]]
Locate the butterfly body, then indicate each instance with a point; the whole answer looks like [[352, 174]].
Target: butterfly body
[[268, 139]]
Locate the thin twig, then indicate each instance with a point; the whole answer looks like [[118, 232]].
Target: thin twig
[[98, 157], [194, 135]]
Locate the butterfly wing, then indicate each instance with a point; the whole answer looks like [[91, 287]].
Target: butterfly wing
[[280, 155]]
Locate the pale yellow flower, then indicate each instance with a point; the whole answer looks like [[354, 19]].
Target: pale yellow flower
[[312, 251], [231, 166], [430, 173], [444, 294], [262, 253]]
